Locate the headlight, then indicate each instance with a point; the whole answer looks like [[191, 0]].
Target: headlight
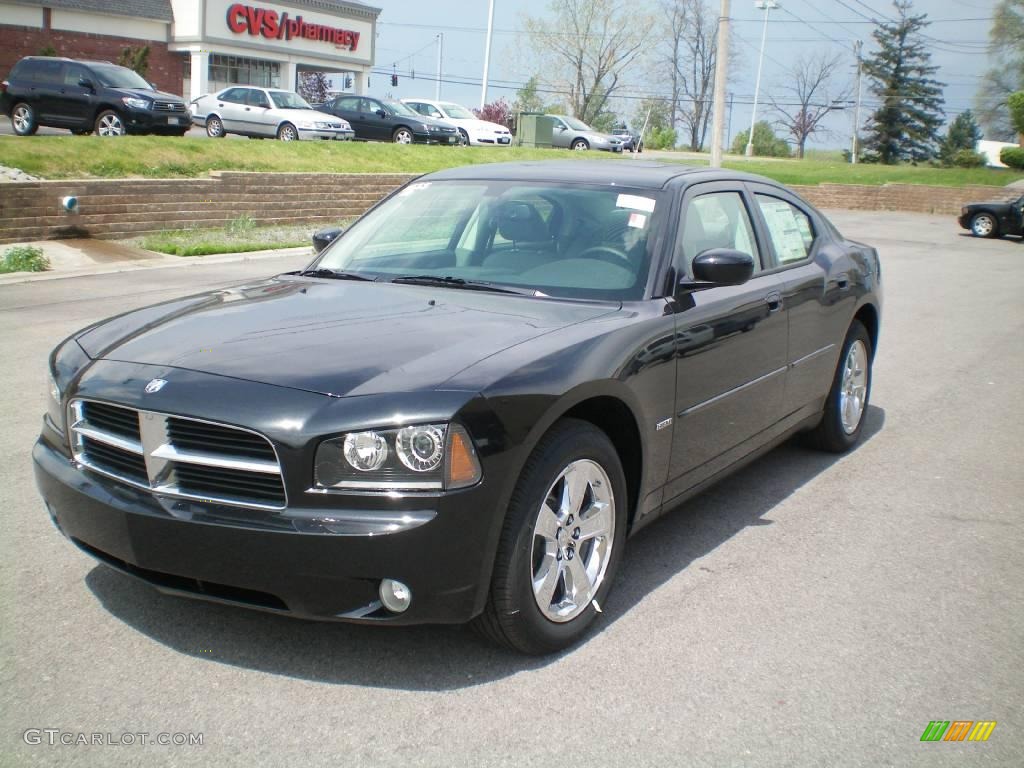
[[421, 457], [323, 125], [963, 211], [54, 404], [424, 126], [135, 102], [307, 126], [66, 361]]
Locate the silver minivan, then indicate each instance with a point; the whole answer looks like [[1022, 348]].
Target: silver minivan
[[266, 112]]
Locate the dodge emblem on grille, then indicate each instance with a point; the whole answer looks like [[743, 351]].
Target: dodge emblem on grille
[[155, 386]]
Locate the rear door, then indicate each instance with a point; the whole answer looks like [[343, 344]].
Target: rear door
[[349, 107], [46, 82], [230, 104], [731, 342]]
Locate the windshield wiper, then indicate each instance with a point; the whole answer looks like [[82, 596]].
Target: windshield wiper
[[334, 274], [458, 282]]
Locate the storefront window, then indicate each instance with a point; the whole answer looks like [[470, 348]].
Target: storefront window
[[236, 70]]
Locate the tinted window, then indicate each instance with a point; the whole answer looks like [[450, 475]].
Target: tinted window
[[75, 72], [790, 229], [421, 108], [257, 99], [41, 70], [114, 76], [350, 103], [717, 220]]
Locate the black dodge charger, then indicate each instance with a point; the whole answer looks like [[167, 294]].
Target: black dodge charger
[[469, 400]]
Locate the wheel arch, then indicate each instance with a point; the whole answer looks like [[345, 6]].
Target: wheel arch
[[867, 315], [579, 139]]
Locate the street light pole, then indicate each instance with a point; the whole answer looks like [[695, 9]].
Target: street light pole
[[855, 149], [440, 49], [487, 53], [721, 73], [767, 6]]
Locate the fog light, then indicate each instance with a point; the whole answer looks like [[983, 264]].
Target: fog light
[[395, 595]]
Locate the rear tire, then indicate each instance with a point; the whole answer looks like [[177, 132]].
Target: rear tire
[[561, 543], [215, 128], [984, 225], [847, 404], [23, 120]]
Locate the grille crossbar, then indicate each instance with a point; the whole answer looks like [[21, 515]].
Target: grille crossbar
[[176, 455]]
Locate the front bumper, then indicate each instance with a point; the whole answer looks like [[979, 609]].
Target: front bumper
[[436, 544], [145, 121], [964, 220], [305, 133]]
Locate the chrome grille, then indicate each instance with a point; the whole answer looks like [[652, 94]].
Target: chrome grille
[[177, 456], [168, 106]]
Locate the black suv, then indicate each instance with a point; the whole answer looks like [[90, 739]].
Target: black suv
[[87, 96]]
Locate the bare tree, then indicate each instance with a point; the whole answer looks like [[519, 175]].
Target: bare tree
[[809, 96], [688, 50], [588, 45]]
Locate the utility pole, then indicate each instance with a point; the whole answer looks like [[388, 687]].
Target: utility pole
[[728, 130], [767, 6], [855, 148], [440, 49], [721, 73], [487, 53]]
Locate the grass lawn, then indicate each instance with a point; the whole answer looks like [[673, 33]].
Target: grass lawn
[[241, 235], [63, 157]]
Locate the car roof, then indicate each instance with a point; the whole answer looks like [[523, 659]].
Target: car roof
[[627, 173]]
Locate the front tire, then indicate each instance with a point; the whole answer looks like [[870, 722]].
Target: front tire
[[402, 136], [580, 145], [287, 132], [984, 225], [561, 544], [847, 404], [110, 123], [23, 120]]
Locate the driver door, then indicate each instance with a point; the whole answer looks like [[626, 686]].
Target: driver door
[[560, 135], [731, 342]]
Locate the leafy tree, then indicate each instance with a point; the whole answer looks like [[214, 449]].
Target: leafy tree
[[136, 59], [314, 87], [1015, 102], [658, 115], [586, 48], [963, 134], [906, 125], [766, 143], [1007, 72], [530, 99], [1013, 157], [499, 111]]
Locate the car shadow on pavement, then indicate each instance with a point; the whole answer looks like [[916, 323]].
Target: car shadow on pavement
[[450, 657]]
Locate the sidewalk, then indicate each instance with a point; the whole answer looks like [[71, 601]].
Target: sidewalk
[[78, 258]]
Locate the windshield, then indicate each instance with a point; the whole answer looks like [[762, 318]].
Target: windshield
[[401, 109], [288, 100], [577, 125], [459, 113], [555, 239], [119, 77]]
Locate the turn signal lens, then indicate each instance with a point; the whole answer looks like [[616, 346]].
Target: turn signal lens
[[463, 467]]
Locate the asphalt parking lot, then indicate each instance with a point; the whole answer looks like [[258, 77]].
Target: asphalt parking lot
[[811, 611]]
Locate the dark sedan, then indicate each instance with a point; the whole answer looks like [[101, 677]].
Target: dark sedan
[[631, 142], [994, 219], [468, 401], [390, 120]]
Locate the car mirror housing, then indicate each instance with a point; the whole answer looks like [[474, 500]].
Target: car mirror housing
[[381, 113], [85, 82], [324, 237], [717, 267]]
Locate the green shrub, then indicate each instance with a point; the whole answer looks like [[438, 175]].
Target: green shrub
[[766, 143], [968, 158], [661, 138], [24, 258], [1013, 157], [1016, 104]]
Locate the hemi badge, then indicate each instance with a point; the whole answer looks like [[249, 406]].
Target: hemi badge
[[662, 424]]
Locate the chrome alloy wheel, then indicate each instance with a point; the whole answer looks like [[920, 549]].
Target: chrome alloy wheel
[[983, 225], [110, 125], [572, 540], [22, 119], [853, 392]]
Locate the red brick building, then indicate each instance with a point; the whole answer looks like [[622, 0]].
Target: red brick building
[[199, 46]]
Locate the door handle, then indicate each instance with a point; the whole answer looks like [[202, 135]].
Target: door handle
[[774, 301], [247, 109]]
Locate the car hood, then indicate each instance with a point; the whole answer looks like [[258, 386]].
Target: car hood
[[330, 336], [146, 93], [990, 204], [425, 120]]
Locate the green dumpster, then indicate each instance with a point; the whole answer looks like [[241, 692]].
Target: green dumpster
[[534, 129]]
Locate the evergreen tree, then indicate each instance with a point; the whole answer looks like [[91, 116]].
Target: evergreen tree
[[963, 133], [906, 125]]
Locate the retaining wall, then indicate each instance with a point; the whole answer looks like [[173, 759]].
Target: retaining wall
[[119, 208]]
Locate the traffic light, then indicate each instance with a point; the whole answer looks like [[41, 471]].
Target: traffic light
[[394, 80]]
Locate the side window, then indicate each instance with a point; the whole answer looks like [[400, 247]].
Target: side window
[[348, 103], [73, 73], [48, 71], [717, 220], [432, 112], [258, 99], [789, 228], [417, 106], [370, 105], [234, 95]]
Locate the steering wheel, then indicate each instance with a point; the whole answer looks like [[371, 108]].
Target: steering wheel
[[605, 253]]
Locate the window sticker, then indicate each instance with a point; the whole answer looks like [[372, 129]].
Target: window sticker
[[419, 186], [635, 202], [637, 220]]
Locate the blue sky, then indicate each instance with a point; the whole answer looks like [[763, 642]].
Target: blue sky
[[407, 42]]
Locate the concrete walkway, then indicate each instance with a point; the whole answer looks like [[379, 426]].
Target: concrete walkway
[[75, 258]]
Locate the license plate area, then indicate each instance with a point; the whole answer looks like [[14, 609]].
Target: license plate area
[[174, 121]]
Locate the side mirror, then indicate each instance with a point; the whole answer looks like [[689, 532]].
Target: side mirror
[[85, 82], [562, 128], [153, 86], [719, 266], [381, 113], [324, 237]]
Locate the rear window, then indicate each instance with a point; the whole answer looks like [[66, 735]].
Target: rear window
[[38, 70]]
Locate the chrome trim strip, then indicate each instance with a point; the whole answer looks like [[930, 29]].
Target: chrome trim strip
[[170, 453], [124, 443], [805, 358], [370, 485], [733, 391], [173, 491]]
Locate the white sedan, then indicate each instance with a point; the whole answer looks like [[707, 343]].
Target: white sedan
[[474, 131], [267, 113]]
